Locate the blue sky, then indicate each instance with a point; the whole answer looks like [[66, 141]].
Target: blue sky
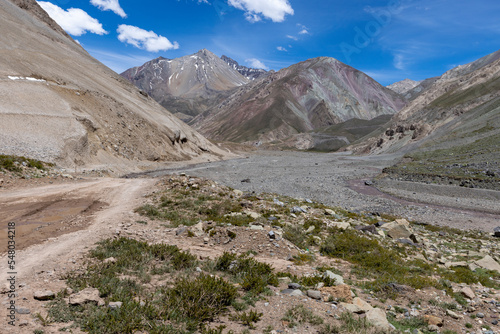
[[389, 40]]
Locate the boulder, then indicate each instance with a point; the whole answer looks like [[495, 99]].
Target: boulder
[[339, 280], [329, 212], [468, 293], [378, 319], [363, 306], [87, 295], [369, 228], [314, 294], [432, 320], [44, 295], [351, 308], [339, 225], [488, 263], [453, 314], [399, 232]]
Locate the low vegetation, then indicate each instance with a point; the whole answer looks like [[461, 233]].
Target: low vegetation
[[164, 289], [13, 163]]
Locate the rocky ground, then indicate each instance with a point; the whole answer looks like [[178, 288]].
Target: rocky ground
[[288, 264], [446, 282], [338, 179]]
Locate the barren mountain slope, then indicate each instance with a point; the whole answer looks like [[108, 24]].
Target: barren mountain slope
[[187, 85], [451, 131], [402, 87], [61, 105], [313, 94]]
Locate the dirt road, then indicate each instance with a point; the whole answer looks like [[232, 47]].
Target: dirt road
[[56, 224]]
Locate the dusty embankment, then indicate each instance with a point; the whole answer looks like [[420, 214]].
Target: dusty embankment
[[338, 179]]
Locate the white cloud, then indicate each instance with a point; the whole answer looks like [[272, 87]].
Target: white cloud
[[303, 29], [255, 10], [280, 48], [112, 5], [255, 63], [399, 62], [74, 21], [292, 37], [143, 39]]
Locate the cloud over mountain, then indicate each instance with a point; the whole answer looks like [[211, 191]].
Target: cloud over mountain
[[255, 10], [112, 5], [74, 21], [143, 39]]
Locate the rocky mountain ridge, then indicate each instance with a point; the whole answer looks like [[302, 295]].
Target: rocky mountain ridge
[[187, 85], [249, 73], [402, 87], [313, 94]]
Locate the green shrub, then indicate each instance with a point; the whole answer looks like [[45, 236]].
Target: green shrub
[[199, 299], [248, 319], [301, 314], [254, 276]]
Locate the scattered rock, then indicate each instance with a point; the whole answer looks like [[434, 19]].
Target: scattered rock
[[339, 225], [245, 181], [329, 212], [294, 286], [496, 232], [339, 280], [378, 318], [23, 323], [399, 232], [468, 293], [44, 295], [314, 294], [369, 228], [352, 308], [181, 230], [110, 260], [488, 263], [88, 295], [297, 293], [363, 306], [433, 328], [253, 214], [432, 320], [238, 193], [23, 310], [271, 235], [453, 314], [115, 305], [298, 209]]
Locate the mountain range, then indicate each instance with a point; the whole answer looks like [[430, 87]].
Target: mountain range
[[91, 116], [269, 107]]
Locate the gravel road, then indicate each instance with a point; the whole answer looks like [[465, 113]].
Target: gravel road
[[337, 179]]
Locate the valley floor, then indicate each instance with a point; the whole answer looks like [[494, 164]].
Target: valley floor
[[338, 179]]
